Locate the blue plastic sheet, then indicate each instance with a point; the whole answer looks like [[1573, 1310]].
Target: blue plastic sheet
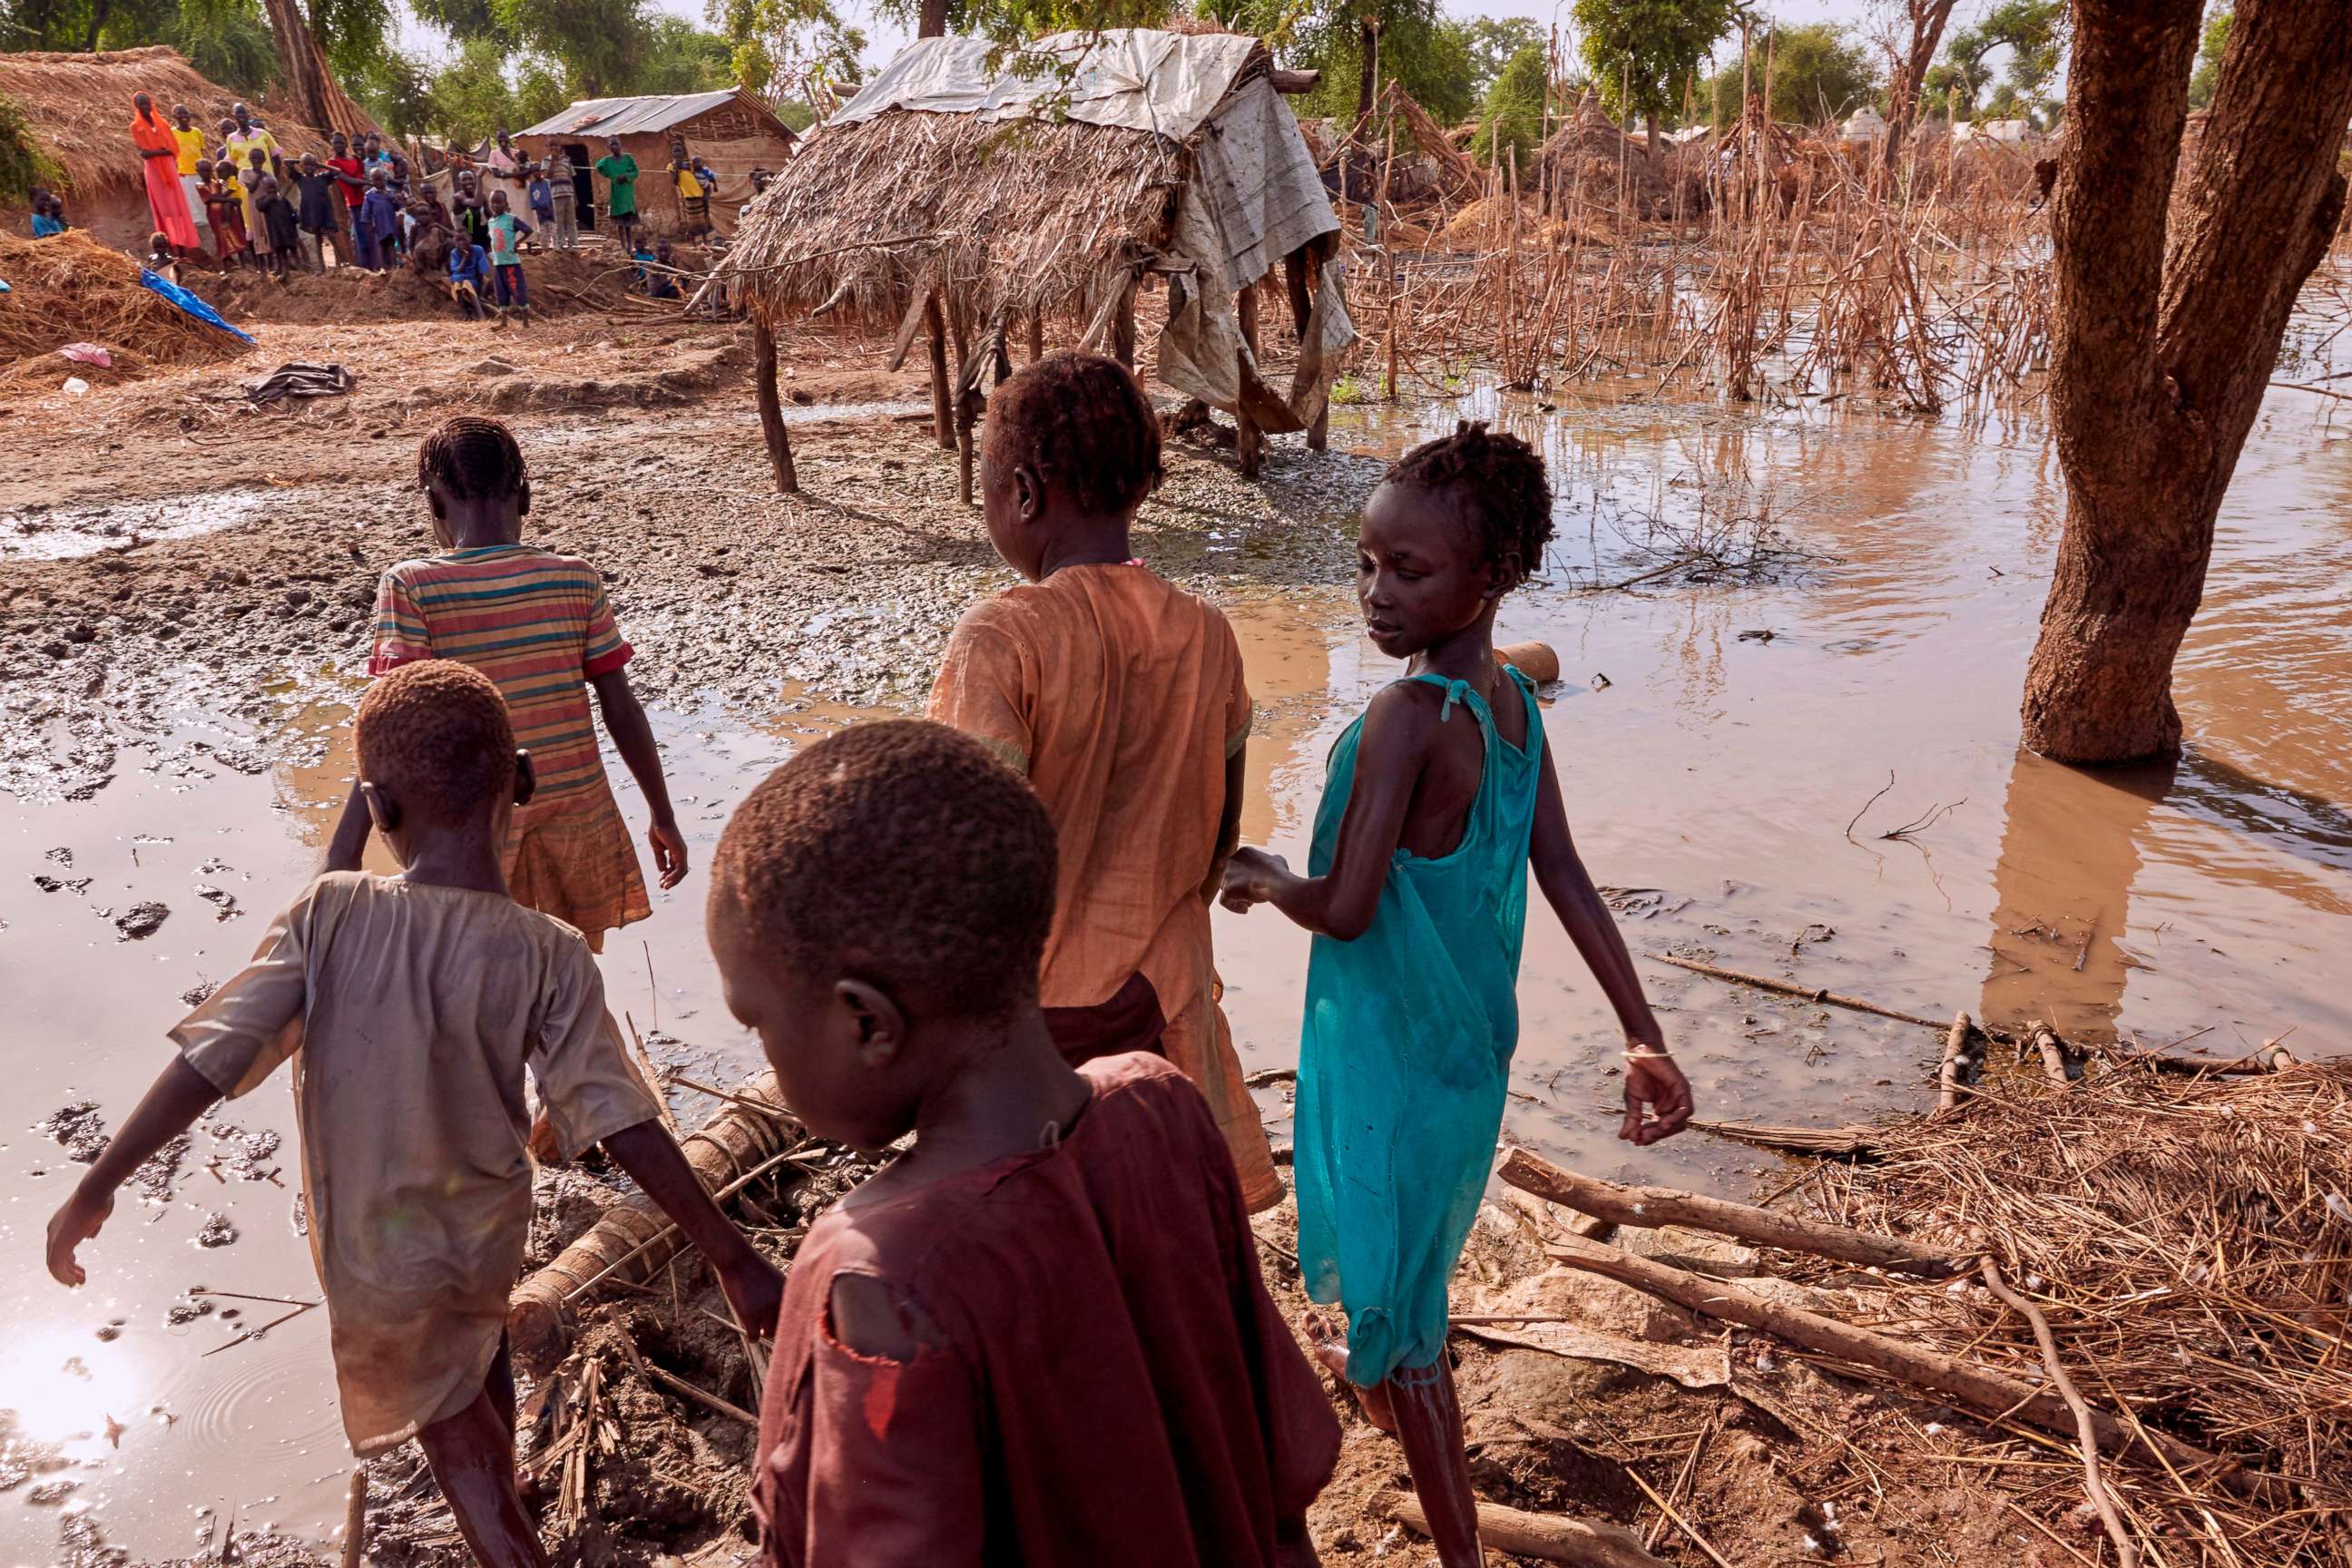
[[187, 302]]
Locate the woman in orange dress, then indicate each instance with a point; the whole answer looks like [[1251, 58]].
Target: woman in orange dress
[[159, 151]]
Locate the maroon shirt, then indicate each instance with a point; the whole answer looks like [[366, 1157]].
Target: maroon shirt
[[1114, 1384]]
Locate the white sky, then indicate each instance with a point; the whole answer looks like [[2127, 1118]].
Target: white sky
[[885, 38]]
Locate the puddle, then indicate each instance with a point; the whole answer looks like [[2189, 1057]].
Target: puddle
[[62, 533], [1728, 786]]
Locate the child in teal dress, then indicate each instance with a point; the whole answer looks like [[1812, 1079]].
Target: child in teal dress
[[1417, 893]]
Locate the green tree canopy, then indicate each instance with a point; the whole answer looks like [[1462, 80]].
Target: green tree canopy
[[1511, 118], [1644, 54], [2210, 47], [2034, 33], [1493, 42], [1819, 75]]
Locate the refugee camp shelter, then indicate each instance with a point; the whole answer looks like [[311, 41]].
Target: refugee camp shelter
[[734, 132], [979, 206], [77, 110]]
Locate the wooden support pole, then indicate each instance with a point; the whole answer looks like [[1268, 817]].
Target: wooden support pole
[[355, 1520], [1036, 334], [1554, 1537], [935, 322], [771, 410], [1122, 327], [1906, 1360], [1251, 442], [1654, 1206]]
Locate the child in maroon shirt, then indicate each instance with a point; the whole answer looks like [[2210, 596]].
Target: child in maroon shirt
[[1040, 1336]]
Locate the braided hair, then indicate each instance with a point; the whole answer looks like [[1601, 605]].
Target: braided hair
[[1501, 478], [473, 458]]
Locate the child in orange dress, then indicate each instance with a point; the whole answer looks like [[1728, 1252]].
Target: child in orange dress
[[539, 624], [1119, 697]]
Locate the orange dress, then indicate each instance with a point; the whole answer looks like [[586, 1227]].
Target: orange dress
[[1120, 697], [166, 199]]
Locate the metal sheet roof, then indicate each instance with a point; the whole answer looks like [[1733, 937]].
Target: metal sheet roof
[[629, 116]]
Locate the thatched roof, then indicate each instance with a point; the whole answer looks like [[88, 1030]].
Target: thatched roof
[[77, 108], [1012, 216], [1590, 159], [1012, 210]]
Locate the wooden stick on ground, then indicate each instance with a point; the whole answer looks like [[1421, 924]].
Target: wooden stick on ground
[[2085, 1428], [2053, 1055], [1974, 1386], [1554, 1537], [1811, 993], [1654, 1207], [1949, 1076], [1679, 1522], [668, 1378], [355, 1520]]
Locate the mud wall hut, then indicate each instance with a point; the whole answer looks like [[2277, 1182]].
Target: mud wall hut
[[977, 206], [78, 112], [733, 131]]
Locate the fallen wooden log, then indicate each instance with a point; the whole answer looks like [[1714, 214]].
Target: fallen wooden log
[[1993, 1392], [633, 1239], [1554, 1537], [2053, 1055], [1654, 1206]]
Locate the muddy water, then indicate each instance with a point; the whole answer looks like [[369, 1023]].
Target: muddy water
[[1726, 782]]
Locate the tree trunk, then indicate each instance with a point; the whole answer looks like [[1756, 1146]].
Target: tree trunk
[[1368, 70], [2165, 341], [942, 389], [1927, 21], [934, 22]]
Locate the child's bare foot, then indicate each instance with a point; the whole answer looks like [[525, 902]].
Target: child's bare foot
[[1330, 1343]]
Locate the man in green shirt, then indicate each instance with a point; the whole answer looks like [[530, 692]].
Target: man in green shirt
[[620, 171]]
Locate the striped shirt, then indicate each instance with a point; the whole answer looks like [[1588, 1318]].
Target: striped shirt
[[540, 626]]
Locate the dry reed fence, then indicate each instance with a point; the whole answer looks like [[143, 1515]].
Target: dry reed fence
[[1751, 262]]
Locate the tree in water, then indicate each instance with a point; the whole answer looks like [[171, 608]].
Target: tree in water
[[2175, 280], [1644, 54], [1910, 42]]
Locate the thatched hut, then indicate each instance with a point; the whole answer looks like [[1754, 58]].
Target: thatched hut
[[77, 111], [977, 205], [1591, 162], [733, 131]]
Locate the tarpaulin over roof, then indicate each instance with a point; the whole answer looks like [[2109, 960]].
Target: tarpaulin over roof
[[1137, 78], [630, 116]]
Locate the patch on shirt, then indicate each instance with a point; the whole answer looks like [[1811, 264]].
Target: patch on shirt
[[882, 1400]]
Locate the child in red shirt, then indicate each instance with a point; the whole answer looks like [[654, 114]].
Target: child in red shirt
[[1039, 1337]]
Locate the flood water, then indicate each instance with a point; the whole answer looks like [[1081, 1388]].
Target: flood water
[[1726, 780]]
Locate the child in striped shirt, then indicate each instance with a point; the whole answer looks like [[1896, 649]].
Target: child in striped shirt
[[539, 624]]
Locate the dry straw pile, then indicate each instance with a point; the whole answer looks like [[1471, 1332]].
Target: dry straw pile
[[2191, 1242], [69, 289]]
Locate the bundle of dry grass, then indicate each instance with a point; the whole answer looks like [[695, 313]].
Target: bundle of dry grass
[[1011, 215], [78, 107], [1590, 162], [2189, 1240], [69, 289]]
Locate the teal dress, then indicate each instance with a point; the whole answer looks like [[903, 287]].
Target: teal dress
[[1403, 1055]]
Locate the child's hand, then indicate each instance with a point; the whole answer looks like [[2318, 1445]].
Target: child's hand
[[669, 852], [72, 1225], [1656, 1084], [1250, 878], [756, 1292]]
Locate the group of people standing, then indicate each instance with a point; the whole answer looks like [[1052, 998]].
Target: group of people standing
[[236, 198]]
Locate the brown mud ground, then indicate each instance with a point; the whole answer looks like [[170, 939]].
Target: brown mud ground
[[184, 584]]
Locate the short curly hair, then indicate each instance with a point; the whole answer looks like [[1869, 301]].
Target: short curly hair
[[909, 843], [435, 736], [1502, 479], [1083, 423], [476, 457]]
